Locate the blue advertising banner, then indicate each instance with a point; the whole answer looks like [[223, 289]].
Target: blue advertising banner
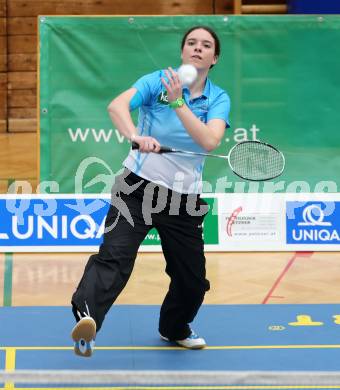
[[69, 223], [314, 222], [40, 222]]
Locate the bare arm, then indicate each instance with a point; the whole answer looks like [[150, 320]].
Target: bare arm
[[207, 135], [119, 111]]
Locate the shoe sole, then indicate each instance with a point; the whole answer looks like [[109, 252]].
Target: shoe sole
[[85, 330]]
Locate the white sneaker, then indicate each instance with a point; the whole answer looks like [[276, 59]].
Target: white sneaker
[[83, 335], [191, 342]]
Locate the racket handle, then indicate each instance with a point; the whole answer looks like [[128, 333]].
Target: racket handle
[[163, 149]]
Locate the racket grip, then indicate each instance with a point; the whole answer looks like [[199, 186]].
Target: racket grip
[[163, 149]]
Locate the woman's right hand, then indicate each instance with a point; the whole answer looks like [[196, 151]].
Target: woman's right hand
[[146, 144]]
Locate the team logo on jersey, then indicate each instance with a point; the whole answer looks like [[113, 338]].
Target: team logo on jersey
[[163, 98]]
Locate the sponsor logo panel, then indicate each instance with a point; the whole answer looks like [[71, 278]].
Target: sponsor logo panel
[[57, 222], [52, 222], [315, 222], [240, 224]]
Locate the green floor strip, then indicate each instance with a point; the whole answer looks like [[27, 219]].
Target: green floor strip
[[8, 279]]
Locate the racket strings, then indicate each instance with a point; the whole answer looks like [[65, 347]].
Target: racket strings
[[256, 161]]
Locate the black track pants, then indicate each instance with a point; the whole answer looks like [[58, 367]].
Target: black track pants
[[107, 272]]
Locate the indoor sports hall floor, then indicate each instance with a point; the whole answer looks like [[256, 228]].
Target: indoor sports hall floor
[[265, 311]]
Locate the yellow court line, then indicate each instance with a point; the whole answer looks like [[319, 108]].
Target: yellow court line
[[10, 365], [248, 387], [148, 348]]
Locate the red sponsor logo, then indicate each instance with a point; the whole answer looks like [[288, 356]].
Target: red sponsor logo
[[231, 220]]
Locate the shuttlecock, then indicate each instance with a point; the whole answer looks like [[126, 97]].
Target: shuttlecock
[[187, 74]]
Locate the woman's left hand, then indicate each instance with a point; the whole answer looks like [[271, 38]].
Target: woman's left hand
[[174, 86]]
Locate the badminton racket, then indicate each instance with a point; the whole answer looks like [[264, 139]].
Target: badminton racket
[[250, 160]]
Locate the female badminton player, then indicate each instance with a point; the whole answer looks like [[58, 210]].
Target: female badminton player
[[161, 191]]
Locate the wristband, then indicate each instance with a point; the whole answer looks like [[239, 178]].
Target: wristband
[[179, 102]]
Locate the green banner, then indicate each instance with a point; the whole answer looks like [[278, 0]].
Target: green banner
[[281, 72]]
